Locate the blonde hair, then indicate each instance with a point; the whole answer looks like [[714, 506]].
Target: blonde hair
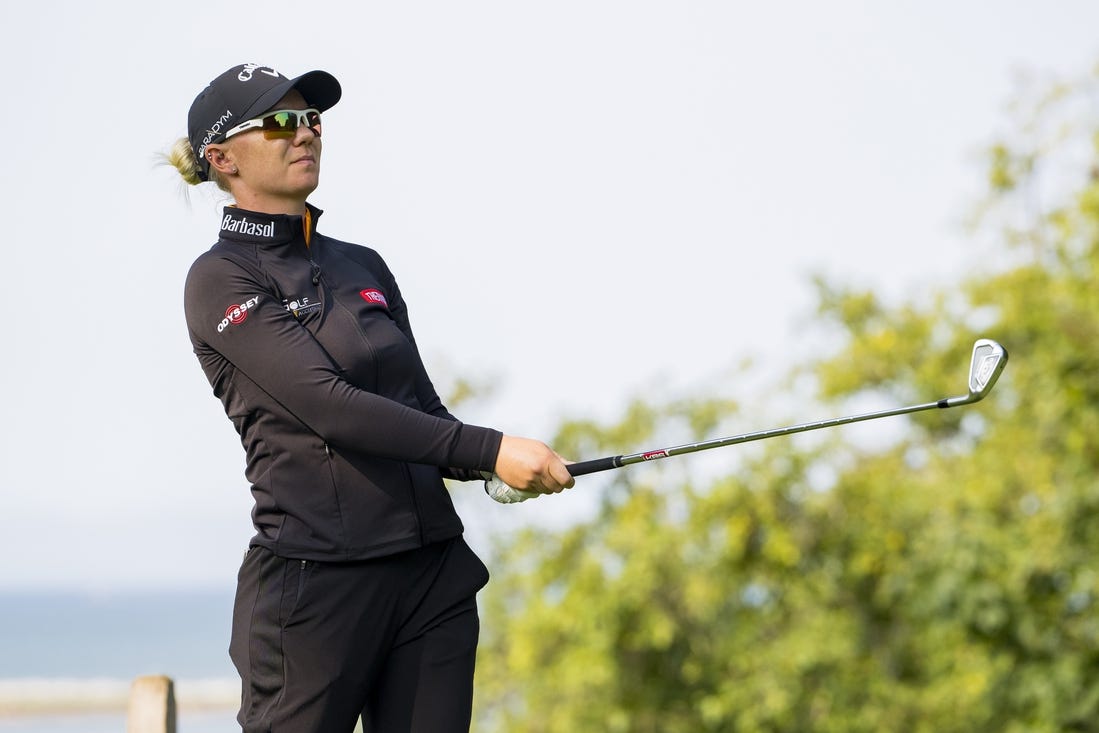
[[181, 156]]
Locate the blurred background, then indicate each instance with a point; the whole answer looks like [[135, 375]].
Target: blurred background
[[619, 226]]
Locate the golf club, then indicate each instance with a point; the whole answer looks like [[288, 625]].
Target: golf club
[[989, 359]]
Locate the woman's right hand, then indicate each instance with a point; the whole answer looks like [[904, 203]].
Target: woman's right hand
[[531, 465]]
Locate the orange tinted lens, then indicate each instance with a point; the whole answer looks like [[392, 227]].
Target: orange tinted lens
[[280, 124], [285, 123]]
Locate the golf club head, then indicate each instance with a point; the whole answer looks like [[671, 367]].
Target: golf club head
[[989, 359]]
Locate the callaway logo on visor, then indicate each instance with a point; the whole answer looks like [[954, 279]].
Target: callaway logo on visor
[[246, 73]]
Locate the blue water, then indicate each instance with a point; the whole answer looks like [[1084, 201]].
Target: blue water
[[206, 722], [117, 636], [180, 634]]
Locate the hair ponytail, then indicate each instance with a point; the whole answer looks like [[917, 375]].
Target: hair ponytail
[[182, 157]]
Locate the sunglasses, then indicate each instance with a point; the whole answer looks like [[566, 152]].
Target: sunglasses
[[281, 123]]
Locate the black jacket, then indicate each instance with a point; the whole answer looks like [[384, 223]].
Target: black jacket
[[310, 350]]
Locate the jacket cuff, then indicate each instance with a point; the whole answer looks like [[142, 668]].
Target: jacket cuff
[[476, 448]]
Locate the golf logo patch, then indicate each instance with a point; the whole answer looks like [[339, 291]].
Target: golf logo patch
[[299, 307]]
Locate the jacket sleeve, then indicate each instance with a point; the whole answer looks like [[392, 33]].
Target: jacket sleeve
[[236, 323], [425, 390]]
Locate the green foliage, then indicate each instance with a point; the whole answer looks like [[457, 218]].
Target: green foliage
[[944, 581]]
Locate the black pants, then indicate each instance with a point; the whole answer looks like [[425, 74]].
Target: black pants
[[393, 639]]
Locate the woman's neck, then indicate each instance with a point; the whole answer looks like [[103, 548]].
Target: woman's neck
[[270, 204]]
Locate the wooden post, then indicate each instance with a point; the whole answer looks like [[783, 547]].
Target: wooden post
[[152, 705]]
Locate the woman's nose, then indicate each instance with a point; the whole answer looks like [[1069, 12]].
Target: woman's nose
[[305, 134]]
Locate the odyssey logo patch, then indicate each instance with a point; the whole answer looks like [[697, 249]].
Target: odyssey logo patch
[[236, 314], [371, 295]]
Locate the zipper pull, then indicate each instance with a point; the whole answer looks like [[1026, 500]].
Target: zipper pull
[[316, 272]]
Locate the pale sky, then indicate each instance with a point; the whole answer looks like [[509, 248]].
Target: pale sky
[[582, 201]]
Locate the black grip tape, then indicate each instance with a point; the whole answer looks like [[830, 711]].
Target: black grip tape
[[593, 466]]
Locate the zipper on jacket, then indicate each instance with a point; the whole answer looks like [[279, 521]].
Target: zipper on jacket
[[337, 302], [335, 492]]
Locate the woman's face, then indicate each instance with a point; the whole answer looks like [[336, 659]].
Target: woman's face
[[277, 174]]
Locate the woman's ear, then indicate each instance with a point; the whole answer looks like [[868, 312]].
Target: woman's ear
[[221, 160]]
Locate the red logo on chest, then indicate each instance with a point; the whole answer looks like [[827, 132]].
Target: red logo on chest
[[374, 296]]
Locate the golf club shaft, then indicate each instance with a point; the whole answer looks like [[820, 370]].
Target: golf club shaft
[[988, 360], [604, 464]]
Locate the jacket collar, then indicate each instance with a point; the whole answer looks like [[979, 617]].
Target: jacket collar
[[256, 227]]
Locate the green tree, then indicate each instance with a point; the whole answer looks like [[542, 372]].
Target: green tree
[[942, 580]]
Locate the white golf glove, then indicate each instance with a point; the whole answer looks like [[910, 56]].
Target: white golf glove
[[501, 492]]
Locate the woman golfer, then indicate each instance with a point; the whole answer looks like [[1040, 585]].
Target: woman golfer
[[358, 594]]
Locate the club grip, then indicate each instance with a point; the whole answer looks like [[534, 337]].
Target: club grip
[[593, 466]]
